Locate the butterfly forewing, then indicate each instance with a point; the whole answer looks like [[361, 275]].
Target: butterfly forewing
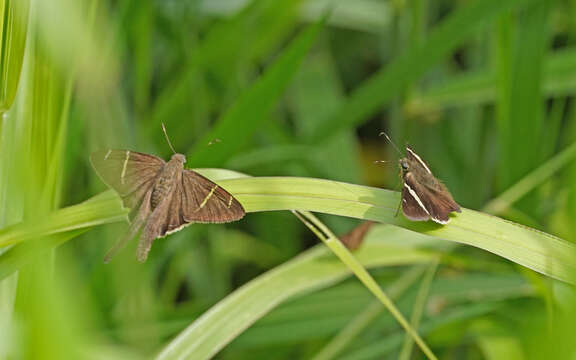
[[197, 199], [412, 205], [416, 161], [204, 201], [130, 173]]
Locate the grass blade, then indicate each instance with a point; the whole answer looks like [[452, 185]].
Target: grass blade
[[363, 275], [251, 108], [309, 271], [13, 31], [412, 64], [533, 249]]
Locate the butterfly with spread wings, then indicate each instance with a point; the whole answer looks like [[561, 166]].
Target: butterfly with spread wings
[[163, 196]]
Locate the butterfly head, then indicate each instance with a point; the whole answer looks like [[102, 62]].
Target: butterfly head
[[179, 157], [404, 165]]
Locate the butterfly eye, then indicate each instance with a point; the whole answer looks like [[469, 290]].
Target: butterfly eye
[[404, 165]]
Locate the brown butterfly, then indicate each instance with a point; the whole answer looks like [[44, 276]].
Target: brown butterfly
[[163, 196], [423, 196]]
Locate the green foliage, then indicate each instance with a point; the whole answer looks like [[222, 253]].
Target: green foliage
[[293, 94], [13, 25]]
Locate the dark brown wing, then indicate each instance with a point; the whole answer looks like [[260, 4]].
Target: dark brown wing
[[413, 206], [422, 203], [196, 200], [206, 202], [442, 205], [131, 174], [416, 160]]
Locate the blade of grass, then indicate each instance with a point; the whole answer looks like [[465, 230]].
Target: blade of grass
[[479, 86], [42, 110], [274, 154], [382, 87], [345, 337], [83, 215], [507, 198], [253, 106], [534, 249], [316, 93], [418, 309], [380, 349], [224, 53], [520, 105], [495, 342], [21, 255], [13, 31], [321, 314], [332, 241], [312, 270]]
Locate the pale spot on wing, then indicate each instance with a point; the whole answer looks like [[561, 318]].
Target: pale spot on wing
[[415, 196], [124, 166], [230, 202], [107, 154], [176, 229], [419, 159], [205, 201], [440, 221]]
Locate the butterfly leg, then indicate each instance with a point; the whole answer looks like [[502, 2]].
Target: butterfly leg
[[398, 185], [398, 208]]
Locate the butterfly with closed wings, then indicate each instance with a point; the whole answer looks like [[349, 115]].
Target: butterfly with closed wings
[[423, 196]]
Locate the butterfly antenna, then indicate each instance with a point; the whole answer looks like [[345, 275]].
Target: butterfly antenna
[[390, 141], [167, 138]]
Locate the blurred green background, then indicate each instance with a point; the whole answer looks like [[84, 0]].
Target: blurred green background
[[483, 90]]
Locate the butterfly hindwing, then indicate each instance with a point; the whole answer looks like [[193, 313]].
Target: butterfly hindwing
[[442, 205], [420, 202]]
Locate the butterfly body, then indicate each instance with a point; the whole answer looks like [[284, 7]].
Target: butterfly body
[[170, 175], [163, 196], [423, 196]]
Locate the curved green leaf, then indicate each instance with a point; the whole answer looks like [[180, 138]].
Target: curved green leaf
[[536, 250]]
